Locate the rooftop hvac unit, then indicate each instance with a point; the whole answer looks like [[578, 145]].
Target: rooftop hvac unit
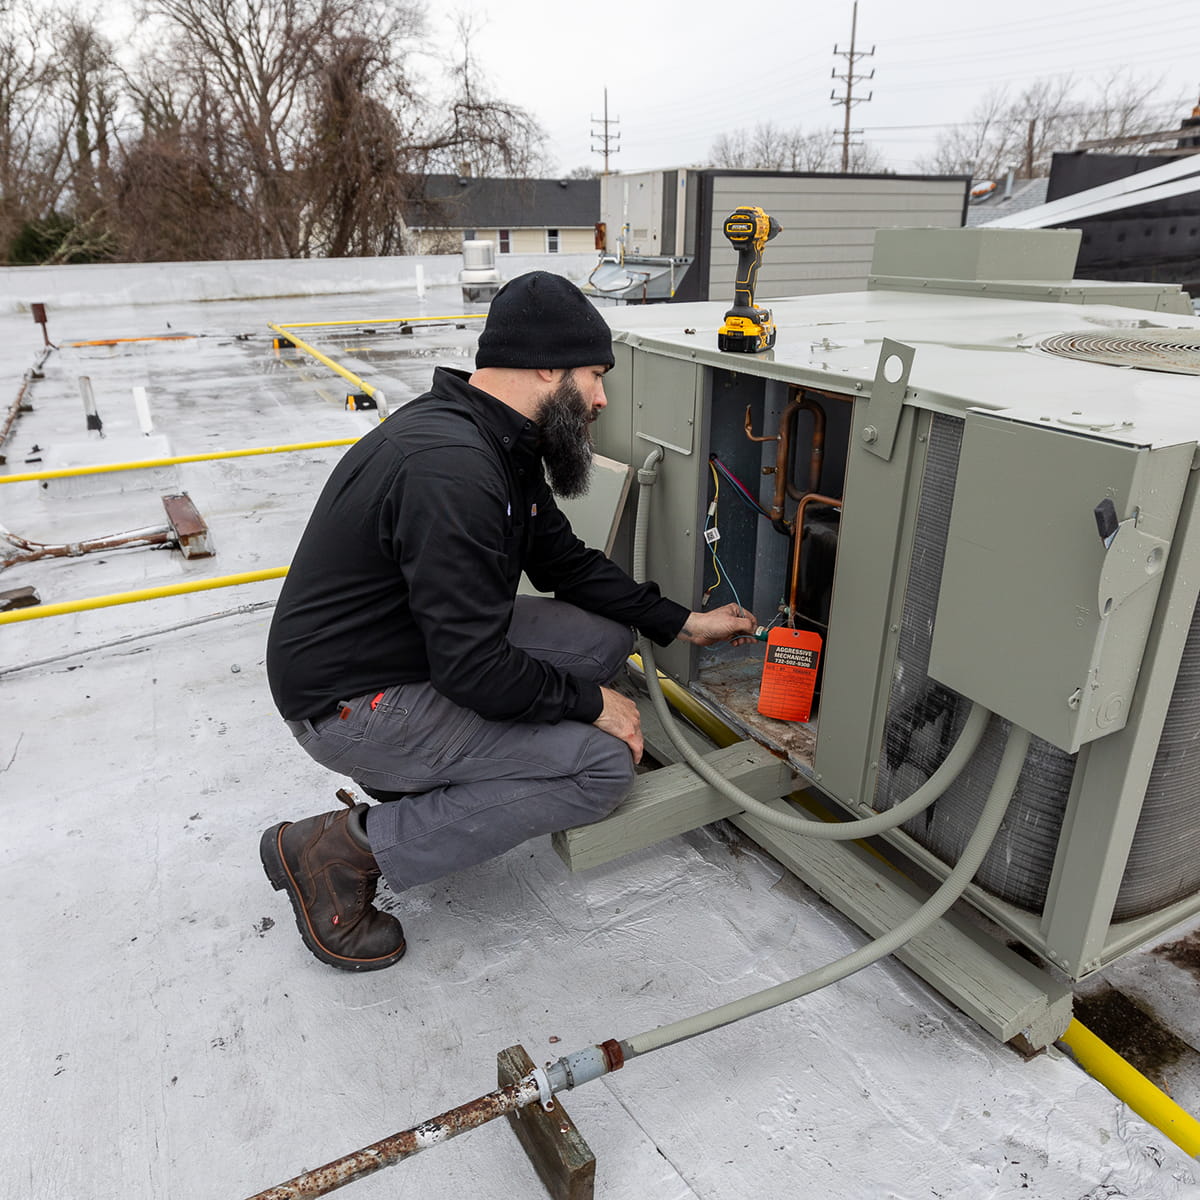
[[977, 482]]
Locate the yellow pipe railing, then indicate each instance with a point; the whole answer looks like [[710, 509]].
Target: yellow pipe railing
[[284, 330], [1127, 1083], [35, 612], [378, 321], [335, 367], [144, 463]]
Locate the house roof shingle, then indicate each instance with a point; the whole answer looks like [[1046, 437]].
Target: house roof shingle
[[459, 202]]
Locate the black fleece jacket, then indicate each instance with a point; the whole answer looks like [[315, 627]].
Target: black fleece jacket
[[409, 565]]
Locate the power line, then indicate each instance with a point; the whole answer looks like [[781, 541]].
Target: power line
[[848, 101], [607, 139]]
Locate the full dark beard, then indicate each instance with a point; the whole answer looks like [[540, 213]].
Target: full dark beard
[[565, 440]]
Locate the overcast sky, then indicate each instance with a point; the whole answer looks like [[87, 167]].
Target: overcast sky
[[681, 72]]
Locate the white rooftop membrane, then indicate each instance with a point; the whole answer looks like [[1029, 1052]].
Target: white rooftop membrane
[[165, 1031]]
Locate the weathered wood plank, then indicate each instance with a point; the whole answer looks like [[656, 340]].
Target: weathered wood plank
[[673, 800], [563, 1160]]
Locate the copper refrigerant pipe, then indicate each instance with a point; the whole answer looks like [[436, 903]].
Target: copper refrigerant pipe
[[782, 442], [817, 449], [797, 538], [783, 450]]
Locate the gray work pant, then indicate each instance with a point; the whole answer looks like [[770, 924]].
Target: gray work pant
[[476, 788]]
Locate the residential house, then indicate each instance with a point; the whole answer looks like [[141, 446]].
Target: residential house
[[521, 216]]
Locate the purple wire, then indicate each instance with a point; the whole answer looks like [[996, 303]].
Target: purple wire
[[738, 484]]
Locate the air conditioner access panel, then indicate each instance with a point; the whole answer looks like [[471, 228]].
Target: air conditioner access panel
[[1039, 617]]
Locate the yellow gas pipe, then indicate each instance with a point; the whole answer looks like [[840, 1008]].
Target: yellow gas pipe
[[146, 463], [1127, 1083], [37, 611]]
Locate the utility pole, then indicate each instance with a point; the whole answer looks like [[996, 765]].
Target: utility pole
[[848, 101], [607, 139]]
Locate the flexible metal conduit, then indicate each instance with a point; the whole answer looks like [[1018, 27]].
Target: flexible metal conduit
[[847, 831], [145, 463], [932, 910], [139, 636]]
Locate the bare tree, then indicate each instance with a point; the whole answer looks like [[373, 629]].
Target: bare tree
[[255, 58], [355, 160], [481, 133], [769, 147], [87, 85], [1021, 132], [252, 129], [33, 145]]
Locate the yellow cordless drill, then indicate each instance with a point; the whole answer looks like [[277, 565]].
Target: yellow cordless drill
[[748, 329]]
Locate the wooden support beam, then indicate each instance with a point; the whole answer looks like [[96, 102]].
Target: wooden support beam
[[563, 1160], [673, 800]]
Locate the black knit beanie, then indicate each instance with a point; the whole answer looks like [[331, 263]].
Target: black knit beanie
[[543, 320]]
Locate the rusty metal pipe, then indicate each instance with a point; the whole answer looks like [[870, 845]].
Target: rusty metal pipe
[[797, 539], [18, 405], [27, 551], [568, 1072], [391, 1150]]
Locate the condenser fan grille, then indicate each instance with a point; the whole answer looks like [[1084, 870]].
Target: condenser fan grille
[[1176, 350]]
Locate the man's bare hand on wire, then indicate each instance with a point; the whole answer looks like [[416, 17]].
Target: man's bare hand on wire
[[621, 718], [730, 623]]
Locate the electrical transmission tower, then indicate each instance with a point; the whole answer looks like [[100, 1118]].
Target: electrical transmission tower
[[849, 100], [608, 140]]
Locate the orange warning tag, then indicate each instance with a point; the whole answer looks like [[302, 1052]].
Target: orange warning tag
[[789, 675]]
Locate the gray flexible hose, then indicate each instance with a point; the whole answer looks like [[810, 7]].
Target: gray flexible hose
[[932, 910], [842, 831]]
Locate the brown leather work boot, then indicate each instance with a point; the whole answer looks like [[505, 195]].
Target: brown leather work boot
[[326, 867]]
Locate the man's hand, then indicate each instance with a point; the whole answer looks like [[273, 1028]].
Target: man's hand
[[725, 624], [620, 717]]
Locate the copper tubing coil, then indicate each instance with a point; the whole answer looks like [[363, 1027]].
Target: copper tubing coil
[[797, 539], [797, 401]]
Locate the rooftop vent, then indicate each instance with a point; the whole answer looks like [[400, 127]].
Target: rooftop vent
[[1174, 350]]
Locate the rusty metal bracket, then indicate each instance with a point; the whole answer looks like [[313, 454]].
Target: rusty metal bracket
[[887, 397], [188, 526]]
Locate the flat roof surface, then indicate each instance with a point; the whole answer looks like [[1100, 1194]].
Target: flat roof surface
[[167, 1034]]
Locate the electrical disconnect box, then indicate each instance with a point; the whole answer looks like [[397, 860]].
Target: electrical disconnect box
[[974, 491]]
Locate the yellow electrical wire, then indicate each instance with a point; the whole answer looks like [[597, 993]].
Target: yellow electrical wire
[[712, 546]]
